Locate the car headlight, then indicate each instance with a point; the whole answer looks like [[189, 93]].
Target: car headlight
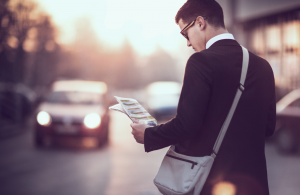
[[92, 120], [43, 118]]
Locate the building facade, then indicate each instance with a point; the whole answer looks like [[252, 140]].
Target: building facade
[[270, 29], [276, 38]]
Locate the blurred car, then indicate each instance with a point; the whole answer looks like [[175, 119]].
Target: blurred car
[[288, 122], [162, 98], [74, 112]]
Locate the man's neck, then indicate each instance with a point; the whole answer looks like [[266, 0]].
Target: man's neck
[[212, 32]]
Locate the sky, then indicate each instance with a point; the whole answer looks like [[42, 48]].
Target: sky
[[146, 24]]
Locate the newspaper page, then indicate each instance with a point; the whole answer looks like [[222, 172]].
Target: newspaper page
[[133, 110], [118, 108]]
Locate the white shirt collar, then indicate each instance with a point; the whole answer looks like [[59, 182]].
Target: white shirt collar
[[217, 38]]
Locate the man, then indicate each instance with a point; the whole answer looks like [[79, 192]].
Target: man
[[211, 79]]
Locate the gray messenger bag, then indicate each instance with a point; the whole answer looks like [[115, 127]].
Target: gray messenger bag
[[185, 175]]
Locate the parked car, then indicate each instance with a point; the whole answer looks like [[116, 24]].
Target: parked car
[[288, 122], [162, 98], [74, 112]]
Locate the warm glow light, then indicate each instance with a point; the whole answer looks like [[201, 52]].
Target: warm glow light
[[13, 42], [224, 188], [44, 118], [273, 38], [258, 41], [292, 34], [146, 24], [89, 142], [92, 120], [29, 45]]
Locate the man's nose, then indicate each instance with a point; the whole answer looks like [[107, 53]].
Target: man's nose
[[189, 43]]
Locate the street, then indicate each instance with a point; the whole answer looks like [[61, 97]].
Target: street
[[121, 167]]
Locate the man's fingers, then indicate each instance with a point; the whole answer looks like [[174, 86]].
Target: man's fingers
[[138, 130], [133, 132]]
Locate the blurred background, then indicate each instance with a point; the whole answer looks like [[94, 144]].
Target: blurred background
[[62, 61]]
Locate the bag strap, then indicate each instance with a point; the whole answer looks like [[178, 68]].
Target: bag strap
[[234, 104]]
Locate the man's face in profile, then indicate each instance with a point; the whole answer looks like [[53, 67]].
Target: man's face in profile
[[194, 34]]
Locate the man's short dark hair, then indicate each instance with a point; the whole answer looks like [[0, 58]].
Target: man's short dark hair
[[208, 8]]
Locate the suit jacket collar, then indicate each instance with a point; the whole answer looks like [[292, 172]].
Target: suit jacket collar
[[225, 42]]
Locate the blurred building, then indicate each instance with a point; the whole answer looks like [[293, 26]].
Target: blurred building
[[270, 29]]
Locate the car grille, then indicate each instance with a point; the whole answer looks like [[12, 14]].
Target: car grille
[[62, 125]]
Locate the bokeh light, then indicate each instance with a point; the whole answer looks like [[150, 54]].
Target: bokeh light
[[92, 120], [43, 118], [224, 188]]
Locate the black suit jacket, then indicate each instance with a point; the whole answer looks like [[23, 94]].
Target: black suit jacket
[[211, 79]]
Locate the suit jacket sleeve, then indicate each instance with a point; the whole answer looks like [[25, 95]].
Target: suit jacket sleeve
[[271, 121], [192, 106]]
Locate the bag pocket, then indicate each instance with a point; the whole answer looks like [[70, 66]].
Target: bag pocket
[[182, 159], [179, 173]]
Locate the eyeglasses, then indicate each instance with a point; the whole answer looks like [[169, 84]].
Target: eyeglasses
[[190, 25]]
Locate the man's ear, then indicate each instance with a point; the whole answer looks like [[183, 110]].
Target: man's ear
[[201, 22]]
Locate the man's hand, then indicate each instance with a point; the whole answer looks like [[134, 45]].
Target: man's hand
[[138, 131]]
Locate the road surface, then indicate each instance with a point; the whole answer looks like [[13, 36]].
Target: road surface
[[119, 168]]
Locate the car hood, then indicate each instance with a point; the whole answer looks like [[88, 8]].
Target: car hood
[[288, 111], [71, 110]]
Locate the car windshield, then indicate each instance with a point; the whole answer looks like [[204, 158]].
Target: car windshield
[[72, 97]]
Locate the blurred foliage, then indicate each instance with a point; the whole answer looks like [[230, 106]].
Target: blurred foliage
[[28, 52], [28, 57]]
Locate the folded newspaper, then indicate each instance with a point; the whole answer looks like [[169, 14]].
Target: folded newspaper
[[133, 110]]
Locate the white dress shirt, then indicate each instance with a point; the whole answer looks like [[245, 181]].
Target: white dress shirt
[[218, 38]]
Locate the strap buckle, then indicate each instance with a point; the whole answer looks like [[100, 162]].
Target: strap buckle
[[241, 87], [213, 154]]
